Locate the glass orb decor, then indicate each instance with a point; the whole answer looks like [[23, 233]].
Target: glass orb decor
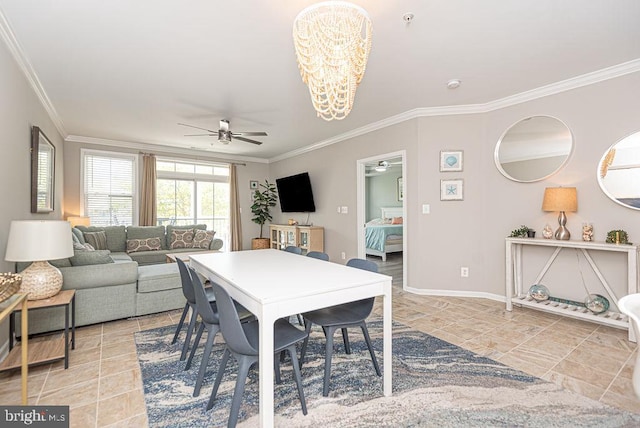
[[539, 292], [596, 303]]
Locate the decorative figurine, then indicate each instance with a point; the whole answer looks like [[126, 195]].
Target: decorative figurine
[[587, 232], [547, 232]]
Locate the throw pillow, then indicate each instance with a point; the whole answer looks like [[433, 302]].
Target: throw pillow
[[97, 240], [149, 244], [181, 238], [82, 247], [203, 238], [396, 220], [84, 258]]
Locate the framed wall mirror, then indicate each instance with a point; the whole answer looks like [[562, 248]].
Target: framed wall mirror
[[619, 172], [533, 149], [43, 155]]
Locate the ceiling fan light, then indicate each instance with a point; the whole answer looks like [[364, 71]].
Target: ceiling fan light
[[332, 41]]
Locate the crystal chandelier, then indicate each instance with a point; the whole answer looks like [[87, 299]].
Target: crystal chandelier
[[332, 41]]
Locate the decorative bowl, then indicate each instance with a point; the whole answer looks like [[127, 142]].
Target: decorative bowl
[[596, 303], [9, 285], [539, 292]]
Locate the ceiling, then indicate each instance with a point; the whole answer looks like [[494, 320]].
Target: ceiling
[[130, 71]]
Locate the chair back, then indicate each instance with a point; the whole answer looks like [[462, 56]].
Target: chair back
[[230, 325], [318, 255], [203, 306], [294, 250], [363, 264], [365, 306], [185, 278]]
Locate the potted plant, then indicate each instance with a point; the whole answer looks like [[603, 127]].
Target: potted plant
[[263, 199]]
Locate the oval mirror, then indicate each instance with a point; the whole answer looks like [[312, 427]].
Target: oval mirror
[[533, 149], [619, 172]]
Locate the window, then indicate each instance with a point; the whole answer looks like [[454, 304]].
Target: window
[[191, 192], [109, 193]]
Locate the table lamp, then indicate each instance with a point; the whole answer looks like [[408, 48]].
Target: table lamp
[[38, 241], [562, 199], [79, 221]]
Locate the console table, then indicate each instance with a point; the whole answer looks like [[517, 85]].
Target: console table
[[516, 293], [19, 301], [308, 238]]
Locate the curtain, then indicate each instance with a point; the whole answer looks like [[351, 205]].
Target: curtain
[[235, 223], [148, 211]]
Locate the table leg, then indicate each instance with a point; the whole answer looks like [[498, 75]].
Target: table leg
[[24, 319], [266, 370], [387, 322], [73, 322], [509, 276], [66, 337]]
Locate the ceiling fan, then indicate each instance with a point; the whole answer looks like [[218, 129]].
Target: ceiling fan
[[225, 135]]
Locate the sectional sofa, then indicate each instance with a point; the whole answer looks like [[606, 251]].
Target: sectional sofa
[[125, 276]]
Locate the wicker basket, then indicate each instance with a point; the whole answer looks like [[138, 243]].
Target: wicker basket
[[9, 285], [260, 243]]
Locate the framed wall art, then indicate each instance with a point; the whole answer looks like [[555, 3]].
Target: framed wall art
[[452, 190], [451, 160], [400, 191]]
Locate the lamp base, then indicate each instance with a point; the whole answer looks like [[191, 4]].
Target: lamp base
[[41, 281], [562, 233]]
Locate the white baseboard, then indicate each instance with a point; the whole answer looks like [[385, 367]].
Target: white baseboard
[[455, 293]]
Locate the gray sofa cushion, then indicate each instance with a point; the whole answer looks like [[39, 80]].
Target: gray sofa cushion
[[84, 258], [116, 236], [158, 277], [146, 232], [95, 276]]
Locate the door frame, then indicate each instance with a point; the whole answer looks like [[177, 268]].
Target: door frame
[[361, 205]]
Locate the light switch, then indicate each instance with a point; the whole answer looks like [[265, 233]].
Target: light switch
[[344, 210], [338, 210], [426, 208]]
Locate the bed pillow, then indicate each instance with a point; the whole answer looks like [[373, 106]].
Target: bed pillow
[[396, 220]]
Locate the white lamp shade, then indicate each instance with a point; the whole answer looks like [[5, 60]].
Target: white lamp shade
[[39, 240]]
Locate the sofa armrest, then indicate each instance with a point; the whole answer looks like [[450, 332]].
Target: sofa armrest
[[216, 244], [102, 275]]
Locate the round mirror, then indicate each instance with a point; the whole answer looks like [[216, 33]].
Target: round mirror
[[533, 149], [619, 172]]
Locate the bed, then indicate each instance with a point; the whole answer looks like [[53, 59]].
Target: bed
[[381, 236]]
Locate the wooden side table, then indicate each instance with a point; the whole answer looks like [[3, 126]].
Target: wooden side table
[[55, 347], [7, 308]]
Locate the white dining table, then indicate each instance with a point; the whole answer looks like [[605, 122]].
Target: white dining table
[[274, 284]]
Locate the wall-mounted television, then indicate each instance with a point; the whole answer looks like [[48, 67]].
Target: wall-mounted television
[[295, 194]]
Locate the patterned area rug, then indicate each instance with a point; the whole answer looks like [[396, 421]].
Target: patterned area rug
[[435, 384]]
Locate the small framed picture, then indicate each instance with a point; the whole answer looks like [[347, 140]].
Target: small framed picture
[[253, 184], [400, 192], [452, 190], [450, 160]]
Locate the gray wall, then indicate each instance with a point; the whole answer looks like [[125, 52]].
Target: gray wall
[[471, 232]]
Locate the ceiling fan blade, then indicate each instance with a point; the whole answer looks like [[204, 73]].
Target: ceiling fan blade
[[197, 127], [247, 140], [249, 134], [201, 135]]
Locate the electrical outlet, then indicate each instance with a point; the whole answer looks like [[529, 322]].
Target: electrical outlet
[[343, 255], [426, 209], [464, 272]]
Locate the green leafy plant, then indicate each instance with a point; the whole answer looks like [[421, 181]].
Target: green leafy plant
[[521, 232], [618, 237], [263, 199]]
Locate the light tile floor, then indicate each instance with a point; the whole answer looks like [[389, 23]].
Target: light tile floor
[[103, 388]]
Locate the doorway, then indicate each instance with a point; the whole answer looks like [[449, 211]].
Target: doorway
[[382, 207]]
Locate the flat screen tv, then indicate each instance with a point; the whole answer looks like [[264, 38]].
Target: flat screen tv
[[295, 194]]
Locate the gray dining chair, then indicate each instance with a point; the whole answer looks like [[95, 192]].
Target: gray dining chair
[[347, 315], [294, 250], [318, 255], [208, 312], [242, 342], [187, 291]]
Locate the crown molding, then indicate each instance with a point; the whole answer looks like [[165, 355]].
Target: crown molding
[[27, 70], [543, 91], [161, 149]]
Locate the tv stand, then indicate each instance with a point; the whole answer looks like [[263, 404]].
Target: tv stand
[[308, 238]]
